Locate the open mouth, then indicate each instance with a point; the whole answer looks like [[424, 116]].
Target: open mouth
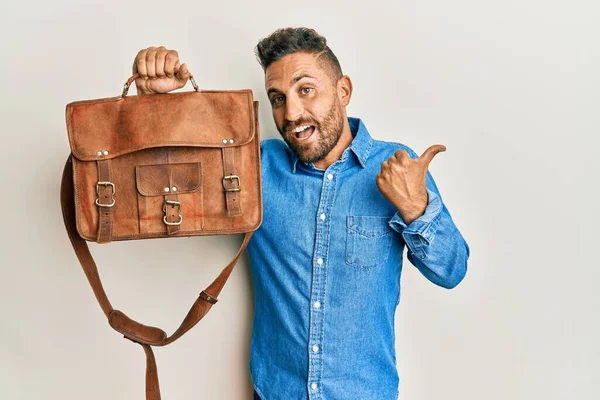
[[303, 132]]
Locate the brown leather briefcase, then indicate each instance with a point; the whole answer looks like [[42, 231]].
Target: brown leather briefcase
[[161, 166]]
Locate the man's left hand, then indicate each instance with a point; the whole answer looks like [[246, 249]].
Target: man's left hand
[[402, 180]]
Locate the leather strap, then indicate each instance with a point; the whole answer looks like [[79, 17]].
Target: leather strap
[[144, 335], [231, 182], [152, 385], [67, 202], [105, 189], [172, 210]]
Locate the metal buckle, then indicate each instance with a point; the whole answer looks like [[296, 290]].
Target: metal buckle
[[173, 203], [112, 185], [173, 223], [105, 205], [231, 178]]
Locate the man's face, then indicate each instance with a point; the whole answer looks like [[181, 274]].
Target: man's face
[[305, 103]]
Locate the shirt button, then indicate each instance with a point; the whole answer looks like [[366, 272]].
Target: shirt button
[[319, 261], [317, 304], [322, 216], [313, 386], [315, 349], [330, 176]]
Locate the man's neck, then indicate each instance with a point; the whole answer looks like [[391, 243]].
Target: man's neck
[[336, 153]]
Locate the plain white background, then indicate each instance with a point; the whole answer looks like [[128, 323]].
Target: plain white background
[[510, 87]]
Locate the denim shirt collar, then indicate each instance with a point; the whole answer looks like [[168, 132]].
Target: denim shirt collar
[[360, 146]]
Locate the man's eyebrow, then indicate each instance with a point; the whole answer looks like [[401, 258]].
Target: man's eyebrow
[[294, 80], [299, 77], [272, 90]]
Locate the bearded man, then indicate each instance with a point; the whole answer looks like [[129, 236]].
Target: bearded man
[[339, 209]]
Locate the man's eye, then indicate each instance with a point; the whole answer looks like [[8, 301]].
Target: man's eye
[[307, 90], [277, 100]]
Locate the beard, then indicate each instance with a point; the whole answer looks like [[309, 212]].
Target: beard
[[329, 129]]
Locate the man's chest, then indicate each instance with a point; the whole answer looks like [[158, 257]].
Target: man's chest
[[340, 215]]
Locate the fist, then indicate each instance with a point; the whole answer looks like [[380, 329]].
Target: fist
[[160, 71], [402, 180]]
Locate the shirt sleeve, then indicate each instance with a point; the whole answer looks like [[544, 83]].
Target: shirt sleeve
[[435, 245]]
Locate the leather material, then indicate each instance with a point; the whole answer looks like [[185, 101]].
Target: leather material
[[105, 193], [202, 211], [127, 124], [231, 183], [161, 166]]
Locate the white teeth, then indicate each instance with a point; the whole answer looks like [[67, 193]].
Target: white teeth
[[301, 128]]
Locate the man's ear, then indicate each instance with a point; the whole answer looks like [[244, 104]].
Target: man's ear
[[344, 89]]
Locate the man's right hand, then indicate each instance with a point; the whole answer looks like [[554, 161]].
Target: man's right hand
[[159, 71]]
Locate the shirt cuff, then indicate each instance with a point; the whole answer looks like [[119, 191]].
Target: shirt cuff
[[422, 230]]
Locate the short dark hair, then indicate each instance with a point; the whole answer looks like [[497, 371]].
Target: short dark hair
[[295, 40]]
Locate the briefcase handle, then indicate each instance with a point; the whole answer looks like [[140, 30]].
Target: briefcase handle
[[136, 75]]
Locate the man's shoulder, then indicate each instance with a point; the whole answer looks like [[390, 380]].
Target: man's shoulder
[[273, 145], [374, 147], [274, 152], [385, 149]]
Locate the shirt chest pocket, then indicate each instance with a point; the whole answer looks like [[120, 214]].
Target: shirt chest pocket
[[368, 241]]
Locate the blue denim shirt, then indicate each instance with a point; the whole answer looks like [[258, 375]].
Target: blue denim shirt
[[326, 266]]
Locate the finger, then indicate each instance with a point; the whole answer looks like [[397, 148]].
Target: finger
[[159, 66], [399, 154], [431, 151], [151, 62], [171, 60], [384, 167], [402, 157], [140, 63], [134, 69], [182, 74]]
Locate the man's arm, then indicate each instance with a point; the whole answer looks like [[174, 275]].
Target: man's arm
[[435, 245]]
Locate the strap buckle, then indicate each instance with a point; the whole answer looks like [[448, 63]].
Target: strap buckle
[[173, 203], [231, 178], [105, 184], [112, 185]]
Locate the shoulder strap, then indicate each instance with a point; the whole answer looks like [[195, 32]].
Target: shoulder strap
[[144, 335]]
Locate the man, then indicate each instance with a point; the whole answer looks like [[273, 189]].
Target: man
[[339, 208]]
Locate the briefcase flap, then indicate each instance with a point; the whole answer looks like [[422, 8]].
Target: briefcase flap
[[107, 128], [152, 179]]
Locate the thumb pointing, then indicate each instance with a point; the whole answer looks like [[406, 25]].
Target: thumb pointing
[[431, 151]]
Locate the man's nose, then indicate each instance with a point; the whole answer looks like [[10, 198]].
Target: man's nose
[[293, 109]]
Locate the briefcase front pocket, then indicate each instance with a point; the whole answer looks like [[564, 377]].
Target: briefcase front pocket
[[169, 196]]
